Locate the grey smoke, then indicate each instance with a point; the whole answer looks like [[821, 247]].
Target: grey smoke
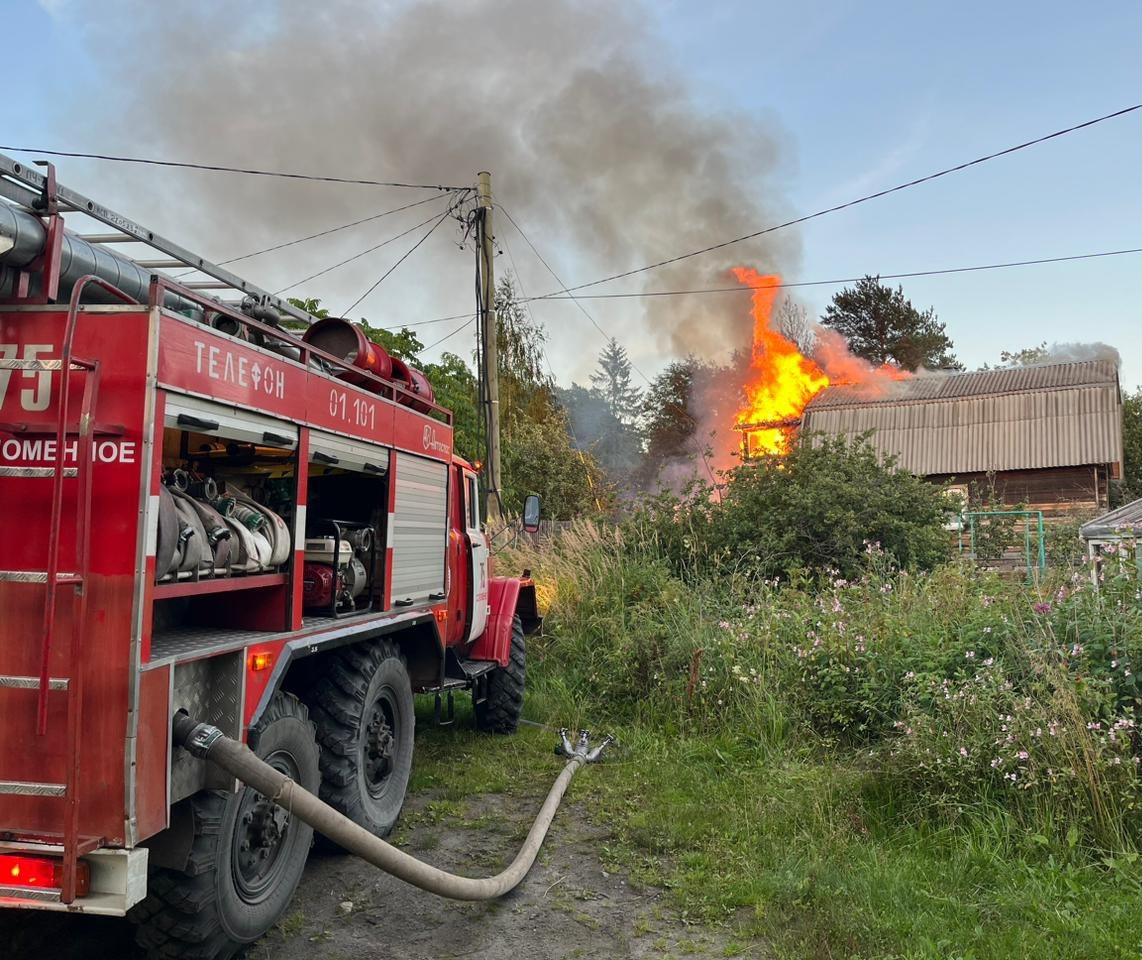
[[1076, 352], [595, 141]]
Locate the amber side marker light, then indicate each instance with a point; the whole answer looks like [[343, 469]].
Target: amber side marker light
[[41, 873], [261, 661]]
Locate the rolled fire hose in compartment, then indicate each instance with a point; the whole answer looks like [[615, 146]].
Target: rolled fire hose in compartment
[[203, 740]]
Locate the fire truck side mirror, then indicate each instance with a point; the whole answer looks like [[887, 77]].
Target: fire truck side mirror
[[531, 514]]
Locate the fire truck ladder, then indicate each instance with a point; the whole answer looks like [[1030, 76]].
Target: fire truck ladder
[[33, 194], [53, 578]]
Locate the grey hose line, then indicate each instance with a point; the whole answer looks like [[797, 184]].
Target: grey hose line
[[239, 760]]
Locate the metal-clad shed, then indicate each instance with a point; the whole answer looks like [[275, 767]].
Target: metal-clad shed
[[1049, 435], [1125, 522], [1113, 538]]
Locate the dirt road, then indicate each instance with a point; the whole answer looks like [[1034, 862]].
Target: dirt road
[[569, 905]]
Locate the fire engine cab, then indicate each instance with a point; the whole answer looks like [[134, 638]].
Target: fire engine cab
[[206, 513]]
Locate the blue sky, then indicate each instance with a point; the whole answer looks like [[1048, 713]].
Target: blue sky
[[862, 96]]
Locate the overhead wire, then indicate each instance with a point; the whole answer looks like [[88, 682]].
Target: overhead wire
[[551, 371], [314, 236], [705, 458], [745, 288], [447, 336], [425, 323], [326, 233], [358, 256], [566, 290], [859, 200], [220, 168], [384, 276]]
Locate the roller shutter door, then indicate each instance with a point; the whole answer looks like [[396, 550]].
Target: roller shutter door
[[419, 528]]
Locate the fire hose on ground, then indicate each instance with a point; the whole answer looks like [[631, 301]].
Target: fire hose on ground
[[208, 742]]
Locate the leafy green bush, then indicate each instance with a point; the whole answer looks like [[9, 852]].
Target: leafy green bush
[[826, 504]]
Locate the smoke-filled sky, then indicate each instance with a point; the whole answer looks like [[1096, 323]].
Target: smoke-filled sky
[[617, 135]]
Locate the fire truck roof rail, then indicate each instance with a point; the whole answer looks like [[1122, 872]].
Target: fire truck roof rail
[[25, 187]]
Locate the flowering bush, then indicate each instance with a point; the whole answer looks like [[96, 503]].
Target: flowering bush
[[954, 688], [1025, 742]]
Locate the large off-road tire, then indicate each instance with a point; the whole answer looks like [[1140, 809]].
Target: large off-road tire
[[246, 859], [365, 718], [500, 711]]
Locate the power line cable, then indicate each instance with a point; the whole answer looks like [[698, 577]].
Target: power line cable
[[314, 236], [550, 270], [824, 283], [527, 302], [384, 276], [852, 203], [326, 233], [219, 168], [425, 323], [447, 336], [357, 256]]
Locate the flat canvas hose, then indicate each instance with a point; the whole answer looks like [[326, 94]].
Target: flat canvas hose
[[237, 759]]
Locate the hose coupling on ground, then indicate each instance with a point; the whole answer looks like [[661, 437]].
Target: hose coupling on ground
[[581, 750]]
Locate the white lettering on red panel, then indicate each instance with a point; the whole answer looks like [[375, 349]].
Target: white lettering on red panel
[[38, 396], [358, 412], [432, 443], [27, 451], [218, 363]]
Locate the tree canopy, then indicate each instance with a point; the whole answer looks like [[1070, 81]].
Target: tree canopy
[[612, 382], [1132, 443], [881, 325]]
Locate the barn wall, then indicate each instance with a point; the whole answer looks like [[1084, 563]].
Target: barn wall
[[1054, 490]]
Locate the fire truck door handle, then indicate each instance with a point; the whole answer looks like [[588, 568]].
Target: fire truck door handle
[[436, 596], [277, 439], [186, 420], [373, 468], [406, 602], [325, 458]]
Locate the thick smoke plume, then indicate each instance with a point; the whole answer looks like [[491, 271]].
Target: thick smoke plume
[[596, 145]]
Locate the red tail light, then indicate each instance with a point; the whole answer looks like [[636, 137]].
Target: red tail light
[[41, 873]]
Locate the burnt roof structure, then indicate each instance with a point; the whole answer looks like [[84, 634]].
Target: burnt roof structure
[[1013, 418]]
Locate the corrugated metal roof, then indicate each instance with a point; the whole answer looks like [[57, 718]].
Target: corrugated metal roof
[[1126, 519], [1018, 418], [942, 386]]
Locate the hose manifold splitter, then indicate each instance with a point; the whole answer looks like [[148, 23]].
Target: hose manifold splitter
[[581, 750]]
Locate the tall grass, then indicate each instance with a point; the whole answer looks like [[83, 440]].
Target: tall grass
[[956, 694], [889, 765]]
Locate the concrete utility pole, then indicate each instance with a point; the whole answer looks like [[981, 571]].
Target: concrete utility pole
[[485, 252]]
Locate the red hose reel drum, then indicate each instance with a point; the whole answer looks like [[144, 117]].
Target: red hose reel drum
[[347, 342], [415, 382]]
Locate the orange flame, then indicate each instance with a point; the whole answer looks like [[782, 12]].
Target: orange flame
[[782, 380]]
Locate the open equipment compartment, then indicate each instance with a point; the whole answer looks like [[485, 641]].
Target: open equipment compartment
[[347, 516], [227, 507]]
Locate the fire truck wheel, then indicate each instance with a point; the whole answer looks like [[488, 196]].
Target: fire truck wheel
[[500, 712], [365, 718], [246, 858]]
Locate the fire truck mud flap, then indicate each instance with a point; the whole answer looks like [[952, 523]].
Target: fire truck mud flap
[[508, 597]]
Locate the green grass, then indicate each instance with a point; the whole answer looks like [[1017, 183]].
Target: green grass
[[808, 765], [789, 850]]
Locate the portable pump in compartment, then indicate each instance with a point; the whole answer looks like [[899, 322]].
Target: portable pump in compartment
[[336, 573]]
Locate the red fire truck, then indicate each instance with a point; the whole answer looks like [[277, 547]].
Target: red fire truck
[[205, 513]]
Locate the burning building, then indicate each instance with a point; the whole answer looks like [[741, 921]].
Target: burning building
[[781, 380], [1048, 436]]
